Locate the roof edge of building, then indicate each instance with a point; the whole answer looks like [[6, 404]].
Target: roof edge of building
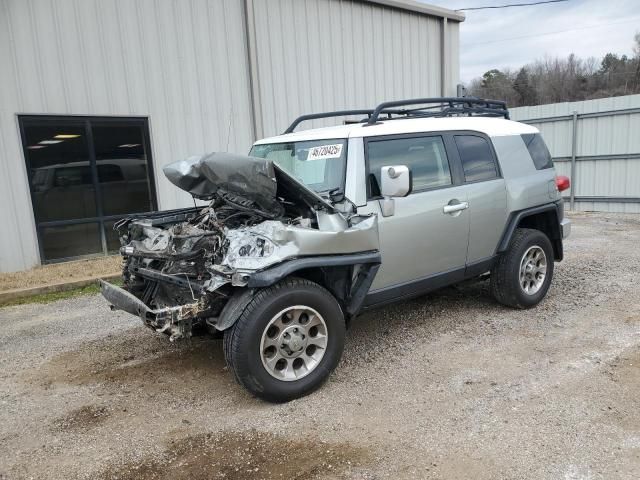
[[423, 8]]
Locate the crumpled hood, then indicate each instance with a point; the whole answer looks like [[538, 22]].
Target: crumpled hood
[[206, 176], [254, 179]]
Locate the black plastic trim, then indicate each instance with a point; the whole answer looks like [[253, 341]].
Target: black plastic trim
[[272, 275], [515, 219], [479, 267], [233, 309], [413, 288], [172, 279], [360, 289]]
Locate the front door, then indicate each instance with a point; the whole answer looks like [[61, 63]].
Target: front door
[[427, 236]]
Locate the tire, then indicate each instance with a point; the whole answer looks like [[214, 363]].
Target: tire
[[506, 285], [249, 343]]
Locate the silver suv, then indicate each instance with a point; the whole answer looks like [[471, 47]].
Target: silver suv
[[317, 226]]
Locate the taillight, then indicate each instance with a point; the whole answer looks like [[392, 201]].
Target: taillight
[[562, 183]]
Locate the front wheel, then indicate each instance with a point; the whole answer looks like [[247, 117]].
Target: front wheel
[[522, 275], [287, 340]]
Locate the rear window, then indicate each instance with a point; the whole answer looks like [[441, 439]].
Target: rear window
[[538, 150], [477, 158]]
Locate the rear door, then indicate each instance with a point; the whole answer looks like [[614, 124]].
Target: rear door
[[485, 190], [420, 241]]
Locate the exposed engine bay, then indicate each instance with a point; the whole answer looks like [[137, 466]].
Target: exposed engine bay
[[182, 268]]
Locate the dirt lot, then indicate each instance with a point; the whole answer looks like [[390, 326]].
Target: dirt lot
[[450, 385]]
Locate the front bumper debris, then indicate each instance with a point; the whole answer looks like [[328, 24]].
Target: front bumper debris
[[174, 321]]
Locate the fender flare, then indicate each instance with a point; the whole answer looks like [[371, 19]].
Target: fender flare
[[516, 217], [265, 278], [269, 276]]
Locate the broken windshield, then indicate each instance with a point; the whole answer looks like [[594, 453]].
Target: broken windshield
[[319, 164]]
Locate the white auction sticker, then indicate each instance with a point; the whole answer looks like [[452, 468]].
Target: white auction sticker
[[325, 151]]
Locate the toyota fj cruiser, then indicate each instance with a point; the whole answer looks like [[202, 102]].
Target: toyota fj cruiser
[[314, 227]]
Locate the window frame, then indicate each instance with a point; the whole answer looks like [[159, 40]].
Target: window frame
[[473, 133], [453, 170], [85, 122]]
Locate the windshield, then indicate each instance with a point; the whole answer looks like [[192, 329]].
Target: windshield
[[319, 164]]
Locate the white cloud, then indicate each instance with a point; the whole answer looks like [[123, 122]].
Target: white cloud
[[512, 37]]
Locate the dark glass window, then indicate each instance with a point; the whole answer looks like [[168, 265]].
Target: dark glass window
[[122, 169], [425, 156], [113, 241], [477, 158], [538, 150], [60, 171], [84, 174], [71, 240]]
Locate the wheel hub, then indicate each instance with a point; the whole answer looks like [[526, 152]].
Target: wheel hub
[[293, 340], [533, 270], [293, 343]]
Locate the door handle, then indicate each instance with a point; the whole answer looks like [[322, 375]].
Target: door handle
[[456, 207]]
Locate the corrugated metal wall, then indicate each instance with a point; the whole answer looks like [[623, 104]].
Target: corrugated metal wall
[[199, 69], [182, 64], [323, 55], [607, 148]]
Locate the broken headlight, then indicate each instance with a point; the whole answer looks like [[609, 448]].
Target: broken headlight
[[256, 247]]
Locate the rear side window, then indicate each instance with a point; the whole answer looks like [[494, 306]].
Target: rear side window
[[477, 158], [538, 150], [425, 156]]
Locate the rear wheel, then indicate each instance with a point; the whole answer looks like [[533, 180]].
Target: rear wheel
[[287, 341], [522, 275]]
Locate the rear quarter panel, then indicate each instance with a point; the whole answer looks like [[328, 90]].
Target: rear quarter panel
[[526, 186]]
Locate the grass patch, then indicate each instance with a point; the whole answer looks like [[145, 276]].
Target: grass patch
[[90, 289]]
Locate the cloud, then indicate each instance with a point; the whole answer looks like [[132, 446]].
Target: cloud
[[512, 37]]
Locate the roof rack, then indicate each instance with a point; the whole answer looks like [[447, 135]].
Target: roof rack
[[315, 116], [430, 107]]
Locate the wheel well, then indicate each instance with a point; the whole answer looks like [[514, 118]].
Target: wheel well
[[334, 279], [547, 222], [349, 284]]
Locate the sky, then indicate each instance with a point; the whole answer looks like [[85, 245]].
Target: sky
[[512, 37]]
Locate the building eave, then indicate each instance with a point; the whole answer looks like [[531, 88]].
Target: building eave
[[423, 8]]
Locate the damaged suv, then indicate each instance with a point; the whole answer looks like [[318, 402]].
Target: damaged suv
[[314, 227]]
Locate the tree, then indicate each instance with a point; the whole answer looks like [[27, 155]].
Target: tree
[[498, 85], [555, 79], [636, 50], [526, 93]]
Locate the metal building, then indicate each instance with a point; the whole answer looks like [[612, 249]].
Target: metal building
[[96, 96]]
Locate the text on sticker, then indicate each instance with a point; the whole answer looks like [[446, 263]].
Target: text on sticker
[[325, 151]]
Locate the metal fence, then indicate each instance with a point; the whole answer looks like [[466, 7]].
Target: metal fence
[[597, 144]]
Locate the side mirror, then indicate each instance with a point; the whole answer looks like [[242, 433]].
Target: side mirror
[[395, 182]]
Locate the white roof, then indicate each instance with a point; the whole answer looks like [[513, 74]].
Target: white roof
[[491, 126]]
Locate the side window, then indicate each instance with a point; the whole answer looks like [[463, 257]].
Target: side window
[[477, 158], [538, 150], [425, 157]]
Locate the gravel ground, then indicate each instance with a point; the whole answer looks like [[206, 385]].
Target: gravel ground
[[450, 385], [61, 272]]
